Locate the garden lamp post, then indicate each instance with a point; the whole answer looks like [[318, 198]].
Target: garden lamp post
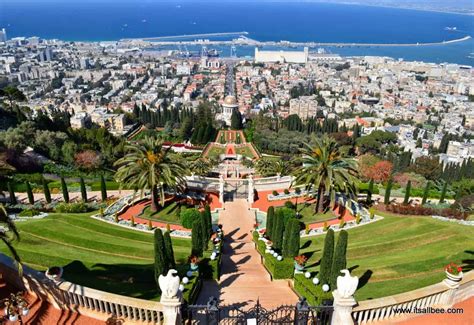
[[15, 307]]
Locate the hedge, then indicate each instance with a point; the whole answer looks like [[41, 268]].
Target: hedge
[[278, 269], [192, 289], [314, 294]]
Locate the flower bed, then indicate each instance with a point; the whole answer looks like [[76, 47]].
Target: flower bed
[[420, 210], [461, 222], [290, 195], [313, 293]]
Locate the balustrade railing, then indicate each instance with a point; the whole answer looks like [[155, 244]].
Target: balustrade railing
[[438, 295], [88, 301]]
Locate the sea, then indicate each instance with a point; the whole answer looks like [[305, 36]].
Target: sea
[[106, 20]]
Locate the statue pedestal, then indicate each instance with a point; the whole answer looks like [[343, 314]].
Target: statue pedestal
[[171, 311], [342, 314]]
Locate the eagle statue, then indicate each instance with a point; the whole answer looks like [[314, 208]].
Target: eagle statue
[[347, 284], [169, 284]]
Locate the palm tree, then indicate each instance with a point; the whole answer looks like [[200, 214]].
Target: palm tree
[[266, 167], [324, 168], [201, 166], [147, 165], [8, 232]]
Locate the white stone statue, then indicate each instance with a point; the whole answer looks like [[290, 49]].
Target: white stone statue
[[169, 284], [347, 284]]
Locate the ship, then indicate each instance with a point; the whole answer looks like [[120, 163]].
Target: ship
[[452, 29]]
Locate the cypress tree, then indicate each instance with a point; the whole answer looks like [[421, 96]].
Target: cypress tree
[[13, 200], [161, 265], [208, 219], [47, 193], [443, 192], [103, 188], [169, 252], [270, 221], [291, 244], [370, 190], [29, 192], [64, 189], [83, 190], [407, 193], [278, 230], [326, 260], [388, 189], [196, 238], [425, 193], [205, 231], [339, 261]]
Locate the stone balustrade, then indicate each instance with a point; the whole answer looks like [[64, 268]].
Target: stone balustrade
[[438, 295], [91, 302]]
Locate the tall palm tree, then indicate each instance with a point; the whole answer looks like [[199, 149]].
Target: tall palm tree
[[266, 167], [324, 168], [201, 166], [149, 166], [8, 232]]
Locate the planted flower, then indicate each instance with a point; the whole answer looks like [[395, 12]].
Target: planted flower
[[300, 262], [453, 269]]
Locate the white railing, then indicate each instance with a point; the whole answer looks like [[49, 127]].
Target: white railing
[[437, 295], [69, 296]]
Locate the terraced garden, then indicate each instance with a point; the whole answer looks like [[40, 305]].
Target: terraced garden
[[94, 253], [400, 254]]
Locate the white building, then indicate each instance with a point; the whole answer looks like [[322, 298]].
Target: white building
[[281, 56], [228, 106]]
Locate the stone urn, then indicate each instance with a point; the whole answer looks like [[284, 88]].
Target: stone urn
[[54, 273], [298, 267], [452, 279]]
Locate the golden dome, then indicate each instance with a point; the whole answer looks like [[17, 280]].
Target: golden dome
[[230, 100]]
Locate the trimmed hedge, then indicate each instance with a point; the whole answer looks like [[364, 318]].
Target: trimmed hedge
[[192, 289], [314, 294], [278, 269]]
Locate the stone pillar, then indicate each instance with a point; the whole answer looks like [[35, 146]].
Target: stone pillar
[[453, 283], [251, 190], [221, 189], [171, 311], [342, 314]]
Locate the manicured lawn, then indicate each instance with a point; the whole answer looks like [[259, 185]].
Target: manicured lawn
[[400, 254], [214, 152], [308, 215], [166, 214], [245, 151], [94, 253]]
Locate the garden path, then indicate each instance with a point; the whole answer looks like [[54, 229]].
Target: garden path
[[243, 277]]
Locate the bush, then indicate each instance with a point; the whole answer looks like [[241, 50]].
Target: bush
[[79, 207], [275, 193], [327, 258], [298, 190], [289, 205], [29, 213], [314, 294], [188, 217], [286, 191], [283, 269], [287, 214], [192, 289], [466, 203], [419, 210]]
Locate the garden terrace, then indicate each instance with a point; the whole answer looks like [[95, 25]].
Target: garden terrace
[[399, 254], [95, 254]]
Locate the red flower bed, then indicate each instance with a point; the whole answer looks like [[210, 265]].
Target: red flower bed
[[419, 210]]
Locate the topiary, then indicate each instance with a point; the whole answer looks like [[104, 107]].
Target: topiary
[[342, 223], [339, 260], [357, 218], [150, 225], [325, 226], [270, 221], [275, 193], [327, 258], [188, 217], [286, 191], [298, 190], [132, 220], [289, 205]]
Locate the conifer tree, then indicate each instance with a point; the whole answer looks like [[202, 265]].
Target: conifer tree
[[370, 190], [169, 252], [278, 229], [83, 190], [425, 193], [29, 192], [205, 231], [196, 238], [388, 189], [47, 193], [65, 190], [208, 219], [11, 192], [327, 258], [443, 192], [406, 200], [103, 188], [270, 221], [161, 264], [291, 243], [339, 261]]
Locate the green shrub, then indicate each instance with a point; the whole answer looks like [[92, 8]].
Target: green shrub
[[339, 262], [314, 294], [160, 265], [275, 193], [28, 213], [270, 221], [357, 218], [283, 269], [289, 205], [278, 228], [298, 190], [188, 217], [291, 243], [78, 207], [192, 289], [286, 191], [287, 214], [327, 258]]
